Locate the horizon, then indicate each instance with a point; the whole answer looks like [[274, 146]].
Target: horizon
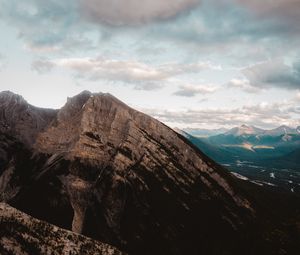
[[238, 61]]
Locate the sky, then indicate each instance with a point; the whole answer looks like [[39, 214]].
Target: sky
[[188, 63]]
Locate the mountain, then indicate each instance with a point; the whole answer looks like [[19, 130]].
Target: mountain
[[292, 157], [282, 130], [22, 120], [101, 169], [257, 157], [217, 153], [109, 172], [244, 130], [250, 142], [22, 234]]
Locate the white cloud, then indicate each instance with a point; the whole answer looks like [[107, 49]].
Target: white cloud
[[191, 90], [243, 84], [134, 12], [264, 115], [143, 76], [297, 97]]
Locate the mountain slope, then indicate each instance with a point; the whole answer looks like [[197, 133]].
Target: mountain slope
[[217, 153], [107, 171], [22, 234]]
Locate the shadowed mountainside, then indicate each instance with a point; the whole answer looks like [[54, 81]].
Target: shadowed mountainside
[[22, 234]]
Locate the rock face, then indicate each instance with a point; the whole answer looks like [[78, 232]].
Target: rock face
[[104, 170], [21, 119], [22, 234]]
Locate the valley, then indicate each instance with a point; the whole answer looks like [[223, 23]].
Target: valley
[[264, 157]]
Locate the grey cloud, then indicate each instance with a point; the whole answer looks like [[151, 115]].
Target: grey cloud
[[191, 90], [225, 27], [148, 86], [274, 74], [284, 11], [213, 26], [42, 66], [134, 12], [47, 26]]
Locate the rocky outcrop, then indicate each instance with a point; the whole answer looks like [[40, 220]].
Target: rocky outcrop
[[22, 234], [102, 169], [21, 119]]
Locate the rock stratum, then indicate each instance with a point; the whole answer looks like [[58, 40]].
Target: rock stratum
[[104, 170]]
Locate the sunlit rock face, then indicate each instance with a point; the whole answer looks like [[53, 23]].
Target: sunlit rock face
[[102, 169]]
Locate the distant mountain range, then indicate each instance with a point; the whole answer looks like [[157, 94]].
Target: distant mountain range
[[246, 148], [243, 130]]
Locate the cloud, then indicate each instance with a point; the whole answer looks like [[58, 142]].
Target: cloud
[[297, 97], [133, 12], [47, 26], [190, 90], [2, 61], [284, 12], [42, 66], [213, 26], [143, 76], [264, 115], [243, 84], [274, 74]]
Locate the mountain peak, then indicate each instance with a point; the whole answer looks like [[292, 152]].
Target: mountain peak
[[245, 126], [281, 130], [244, 130], [7, 98], [83, 118]]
